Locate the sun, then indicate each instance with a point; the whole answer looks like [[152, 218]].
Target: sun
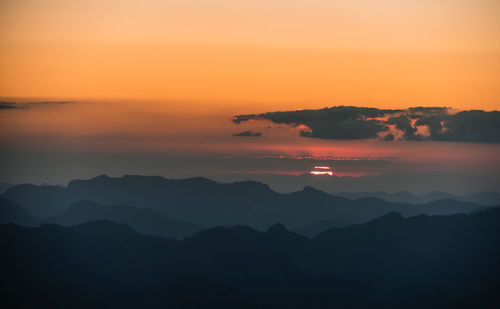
[[322, 170]]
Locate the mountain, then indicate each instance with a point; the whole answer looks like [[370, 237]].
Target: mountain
[[389, 262], [4, 186], [41, 201], [144, 221], [209, 203], [428, 243], [398, 197], [317, 227], [446, 207], [11, 212], [483, 198], [416, 183]]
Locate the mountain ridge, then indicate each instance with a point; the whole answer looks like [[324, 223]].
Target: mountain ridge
[[384, 260], [208, 203]]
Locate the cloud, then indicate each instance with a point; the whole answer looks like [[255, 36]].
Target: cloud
[[241, 118], [25, 105], [415, 124], [341, 122], [9, 105], [389, 137], [248, 134], [466, 126]]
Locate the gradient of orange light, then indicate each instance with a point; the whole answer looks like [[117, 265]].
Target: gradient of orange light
[[261, 78], [200, 62], [143, 128], [275, 54]]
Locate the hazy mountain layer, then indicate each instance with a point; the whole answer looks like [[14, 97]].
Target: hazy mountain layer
[[483, 198], [415, 183], [390, 262], [144, 221], [209, 203]]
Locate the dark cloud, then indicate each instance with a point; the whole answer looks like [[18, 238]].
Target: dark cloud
[[9, 105], [403, 123], [340, 122], [248, 134], [25, 105], [416, 123], [241, 118], [466, 126], [417, 112], [389, 137], [51, 102]]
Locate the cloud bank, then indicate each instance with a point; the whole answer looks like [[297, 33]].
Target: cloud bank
[[415, 124], [25, 105], [248, 134], [8, 105]]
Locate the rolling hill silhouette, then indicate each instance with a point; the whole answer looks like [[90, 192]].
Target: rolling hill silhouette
[[4, 186], [144, 221], [314, 229], [390, 262], [209, 203], [11, 212], [483, 198]]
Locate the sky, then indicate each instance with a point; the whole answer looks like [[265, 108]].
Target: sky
[[151, 87]]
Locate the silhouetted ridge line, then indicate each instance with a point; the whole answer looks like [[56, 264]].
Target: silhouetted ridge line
[[392, 262], [277, 228], [11, 212], [208, 203], [145, 221]]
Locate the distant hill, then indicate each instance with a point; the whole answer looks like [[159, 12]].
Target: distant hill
[[209, 203], [41, 201], [144, 221], [417, 183], [389, 262], [483, 198], [316, 228], [11, 212], [4, 186]]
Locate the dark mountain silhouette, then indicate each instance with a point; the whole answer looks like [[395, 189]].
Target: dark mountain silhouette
[[483, 198], [4, 186], [399, 197], [445, 207], [40, 201], [389, 262], [208, 203], [11, 212], [144, 221], [316, 228], [416, 183]]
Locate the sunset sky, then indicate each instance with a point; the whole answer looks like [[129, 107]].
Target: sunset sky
[[151, 87]]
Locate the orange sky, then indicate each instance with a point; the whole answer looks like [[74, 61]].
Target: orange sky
[[164, 77], [141, 129], [273, 54]]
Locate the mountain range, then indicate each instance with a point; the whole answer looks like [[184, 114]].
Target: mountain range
[[144, 221], [4, 186], [422, 183], [207, 203], [483, 198], [390, 262]]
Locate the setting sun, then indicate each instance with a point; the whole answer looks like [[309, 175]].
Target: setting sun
[[322, 170]]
